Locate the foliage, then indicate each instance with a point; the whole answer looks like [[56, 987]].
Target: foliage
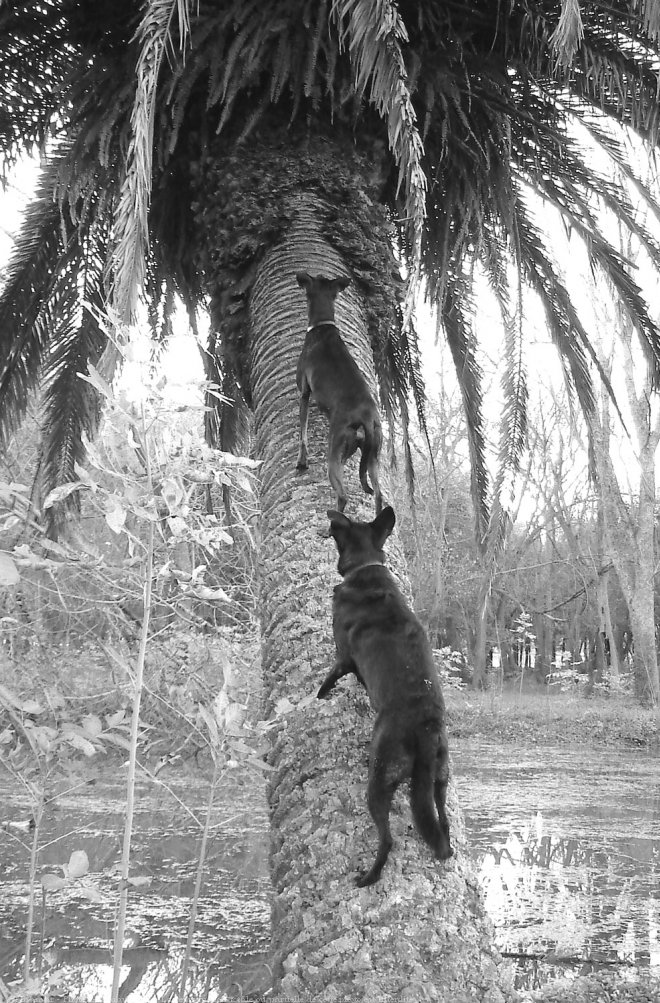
[[464, 112], [144, 482]]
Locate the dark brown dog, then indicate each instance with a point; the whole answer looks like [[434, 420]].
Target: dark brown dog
[[327, 370], [381, 640]]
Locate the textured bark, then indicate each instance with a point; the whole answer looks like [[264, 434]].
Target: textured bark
[[421, 932], [603, 599], [630, 529]]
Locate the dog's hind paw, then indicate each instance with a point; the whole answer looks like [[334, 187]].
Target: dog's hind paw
[[367, 878]]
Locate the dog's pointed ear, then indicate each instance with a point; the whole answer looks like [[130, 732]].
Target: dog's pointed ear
[[338, 518], [339, 523], [341, 283], [383, 525], [304, 279]]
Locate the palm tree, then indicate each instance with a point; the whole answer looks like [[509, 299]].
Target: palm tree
[[212, 149]]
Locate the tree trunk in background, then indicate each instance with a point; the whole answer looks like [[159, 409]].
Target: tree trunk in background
[[603, 599], [630, 534], [421, 931], [439, 603]]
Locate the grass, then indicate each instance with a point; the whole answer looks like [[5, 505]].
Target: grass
[[551, 718]]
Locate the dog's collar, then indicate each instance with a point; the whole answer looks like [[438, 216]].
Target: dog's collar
[[369, 564], [321, 323]]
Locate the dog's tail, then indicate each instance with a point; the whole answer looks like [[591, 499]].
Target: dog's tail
[[422, 799], [373, 438]]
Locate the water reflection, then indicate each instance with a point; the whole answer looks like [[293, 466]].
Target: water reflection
[[567, 842], [568, 848], [73, 930]]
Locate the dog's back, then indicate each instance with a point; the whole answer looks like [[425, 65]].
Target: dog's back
[[327, 370], [388, 644], [332, 373]]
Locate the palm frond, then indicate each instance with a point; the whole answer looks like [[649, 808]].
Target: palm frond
[[35, 63], [513, 421], [71, 408], [374, 34], [131, 223], [564, 324], [38, 292], [568, 34], [462, 342]]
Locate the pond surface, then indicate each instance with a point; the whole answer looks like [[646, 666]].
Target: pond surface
[[567, 843], [73, 928]]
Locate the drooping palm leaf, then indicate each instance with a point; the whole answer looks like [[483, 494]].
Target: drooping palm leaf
[[462, 344], [460, 104], [131, 223]]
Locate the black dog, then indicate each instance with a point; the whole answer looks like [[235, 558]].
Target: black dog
[[381, 640], [327, 370]]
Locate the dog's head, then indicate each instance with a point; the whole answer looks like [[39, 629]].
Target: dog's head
[[321, 294], [360, 543]]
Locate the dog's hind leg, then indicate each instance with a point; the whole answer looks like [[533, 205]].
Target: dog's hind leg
[[389, 763], [305, 393], [335, 469], [369, 464], [379, 801]]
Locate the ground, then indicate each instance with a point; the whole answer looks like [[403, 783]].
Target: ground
[[538, 717]]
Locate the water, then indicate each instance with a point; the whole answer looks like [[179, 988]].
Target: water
[[567, 843], [73, 933]]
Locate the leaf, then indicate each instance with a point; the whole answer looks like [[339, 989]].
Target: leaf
[[177, 525], [115, 513], [8, 571], [78, 864], [112, 720], [94, 377], [260, 764], [211, 724], [140, 881], [92, 892], [44, 737], [32, 707], [172, 492], [205, 592], [284, 706], [52, 882], [27, 559], [80, 743], [8, 698], [9, 522], [92, 725], [60, 493], [236, 745], [118, 740]]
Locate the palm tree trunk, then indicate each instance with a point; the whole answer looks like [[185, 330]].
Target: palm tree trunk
[[421, 931]]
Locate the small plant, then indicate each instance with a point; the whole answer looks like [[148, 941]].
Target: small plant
[[452, 668]]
